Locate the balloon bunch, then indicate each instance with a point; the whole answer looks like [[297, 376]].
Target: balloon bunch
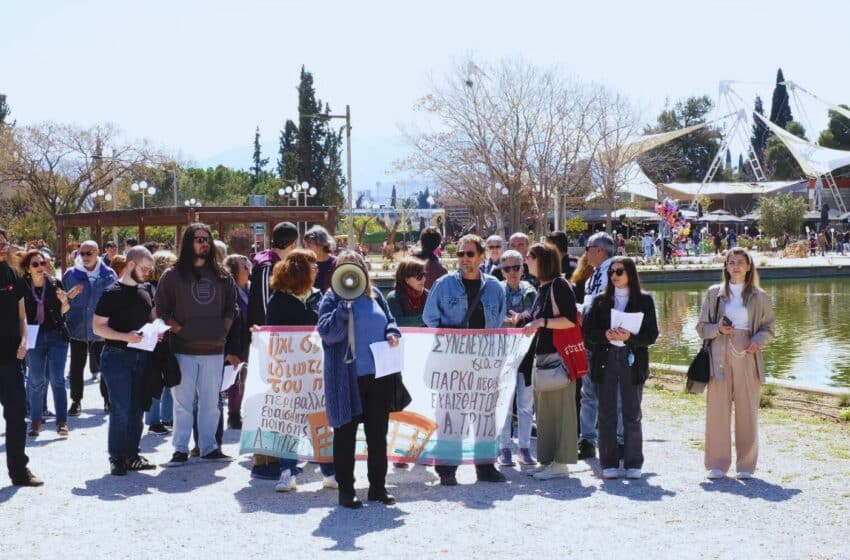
[[672, 219]]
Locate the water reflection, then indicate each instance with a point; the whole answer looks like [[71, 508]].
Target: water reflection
[[812, 344]]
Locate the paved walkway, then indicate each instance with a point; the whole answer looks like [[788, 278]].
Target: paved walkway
[[798, 508]]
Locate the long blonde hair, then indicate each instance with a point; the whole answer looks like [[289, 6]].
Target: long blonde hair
[[751, 280], [582, 272]]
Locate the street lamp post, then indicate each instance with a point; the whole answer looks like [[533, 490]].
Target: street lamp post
[[102, 195], [347, 117], [143, 188], [192, 202]]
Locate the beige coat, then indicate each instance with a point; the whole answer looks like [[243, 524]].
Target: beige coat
[[760, 311]]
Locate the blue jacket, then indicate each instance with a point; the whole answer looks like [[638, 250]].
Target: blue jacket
[[79, 317], [446, 306], [342, 392]]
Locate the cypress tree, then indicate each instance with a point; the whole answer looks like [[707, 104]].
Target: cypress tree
[[393, 198], [780, 109], [760, 133], [287, 162], [259, 161], [4, 109]]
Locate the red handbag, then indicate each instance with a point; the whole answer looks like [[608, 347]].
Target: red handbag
[[570, 343]]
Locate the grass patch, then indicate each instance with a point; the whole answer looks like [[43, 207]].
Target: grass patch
[[839, 452], [844, 415], [765, 401], [811, 398], [697, 443], [844, 400], [768, 390]]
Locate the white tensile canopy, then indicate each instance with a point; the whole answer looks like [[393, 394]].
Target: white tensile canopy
[[813, 159]]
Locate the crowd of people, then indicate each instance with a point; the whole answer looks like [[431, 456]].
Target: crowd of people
[[212, 302]]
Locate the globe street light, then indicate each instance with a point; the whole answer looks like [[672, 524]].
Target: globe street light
[[192, 202], [143, 188], [100, 194]]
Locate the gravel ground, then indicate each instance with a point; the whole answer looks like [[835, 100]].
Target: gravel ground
[[797, 508]]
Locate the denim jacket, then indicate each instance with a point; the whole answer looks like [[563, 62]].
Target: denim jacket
[[446, 306], [79, 317]]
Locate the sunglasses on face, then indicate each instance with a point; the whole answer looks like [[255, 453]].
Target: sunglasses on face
[[202, 240], [512, 268], [37, 264], [467, 254], [616, 271], [86, 253]]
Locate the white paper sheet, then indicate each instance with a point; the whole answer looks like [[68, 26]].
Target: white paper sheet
[[32, 336], [388, 360], [150, 332], [228, 377], [629, 321]]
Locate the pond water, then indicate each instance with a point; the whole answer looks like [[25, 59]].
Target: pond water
[[812, 343]]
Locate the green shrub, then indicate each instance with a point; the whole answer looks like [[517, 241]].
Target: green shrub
[[844, 400], [451, 249], [768, 390], [765, 401], [844, 415]]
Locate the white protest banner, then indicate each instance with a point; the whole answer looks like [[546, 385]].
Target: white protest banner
[[461, 381]]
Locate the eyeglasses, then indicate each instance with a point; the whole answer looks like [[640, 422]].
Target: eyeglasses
[[494, 247], [86, 253], [616, 271], [512, 268], [37, 264], [589, 247], [420, 276], [202, 240], [467, 254]]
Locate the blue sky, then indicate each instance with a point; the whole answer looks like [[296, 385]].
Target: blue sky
[[197, 76]]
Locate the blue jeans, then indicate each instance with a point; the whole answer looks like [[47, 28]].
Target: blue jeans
[[46, 362], [590, 411], [161, 409], [201, 377], [525, 415], [124, 373]]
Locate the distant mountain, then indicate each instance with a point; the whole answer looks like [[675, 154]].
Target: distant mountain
[[373, 160]]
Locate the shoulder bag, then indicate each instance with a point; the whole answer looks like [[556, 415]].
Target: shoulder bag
[[699, 371]]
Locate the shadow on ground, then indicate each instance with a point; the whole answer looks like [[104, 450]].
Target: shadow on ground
[[754, 489]]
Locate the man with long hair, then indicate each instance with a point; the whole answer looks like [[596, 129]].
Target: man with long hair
[[197, 299]]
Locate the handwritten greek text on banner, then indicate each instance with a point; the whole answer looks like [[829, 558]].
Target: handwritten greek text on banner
[[462, 383]]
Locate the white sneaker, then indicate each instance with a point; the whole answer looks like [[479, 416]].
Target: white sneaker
[[539, 468], [286, 482], [555, 470], [715, 474], [609, 474], [633, 473], [744, 475], [330, 482]]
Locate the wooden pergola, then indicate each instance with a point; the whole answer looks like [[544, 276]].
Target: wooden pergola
[[217, 217]]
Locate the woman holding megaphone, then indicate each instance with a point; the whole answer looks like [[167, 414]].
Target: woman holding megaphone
[[352, 393]]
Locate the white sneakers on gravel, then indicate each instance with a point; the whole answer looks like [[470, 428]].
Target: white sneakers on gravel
[[744, 475], [286, 482], [554, 470], [633, 474], [715, 474], [610, 474], [330, 482]]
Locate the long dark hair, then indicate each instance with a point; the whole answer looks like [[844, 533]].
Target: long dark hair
[[186, 260], [634, 280]]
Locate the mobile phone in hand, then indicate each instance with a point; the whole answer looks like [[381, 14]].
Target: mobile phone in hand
[[726, 321]]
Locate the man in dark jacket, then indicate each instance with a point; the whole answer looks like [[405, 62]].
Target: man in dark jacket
[[284, 240]]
